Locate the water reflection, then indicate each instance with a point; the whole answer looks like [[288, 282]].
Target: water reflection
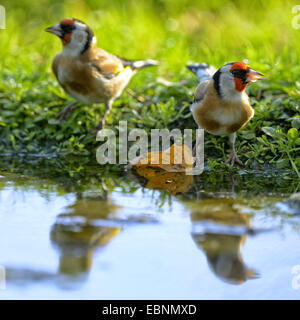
[[159, 179], [86, 219], [79, 232], [220, 231], [84, 227]]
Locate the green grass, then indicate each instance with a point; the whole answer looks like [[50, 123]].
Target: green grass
[[173, 32]]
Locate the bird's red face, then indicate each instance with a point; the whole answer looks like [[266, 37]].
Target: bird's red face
[[63, 30], [243, 74]]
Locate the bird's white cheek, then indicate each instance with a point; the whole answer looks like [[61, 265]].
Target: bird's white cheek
[[228, 90], [78, 37]]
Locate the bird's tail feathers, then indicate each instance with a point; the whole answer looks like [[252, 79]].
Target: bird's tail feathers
[[203, 71], [140, 64]]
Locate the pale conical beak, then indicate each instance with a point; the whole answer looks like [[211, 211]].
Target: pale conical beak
[[55, 30], [253, 76]]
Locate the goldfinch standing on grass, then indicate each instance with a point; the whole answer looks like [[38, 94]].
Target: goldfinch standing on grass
[[221, 105], [87, 73]]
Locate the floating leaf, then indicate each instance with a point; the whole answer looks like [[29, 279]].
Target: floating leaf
[[159, 179], [175, 159]]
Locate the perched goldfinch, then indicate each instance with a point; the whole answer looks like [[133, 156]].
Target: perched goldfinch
[[87, 73], [221, 105]]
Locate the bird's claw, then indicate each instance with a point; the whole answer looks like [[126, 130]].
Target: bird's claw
[[232, 159], [61, 115], [96, 129], [65, 114]]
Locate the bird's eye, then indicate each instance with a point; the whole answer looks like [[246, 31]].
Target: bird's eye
[[239, 73], [67, 28]]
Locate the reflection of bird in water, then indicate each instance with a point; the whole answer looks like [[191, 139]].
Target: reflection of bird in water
[[224, 257], [220, 231], [76, 234], [79, 232]]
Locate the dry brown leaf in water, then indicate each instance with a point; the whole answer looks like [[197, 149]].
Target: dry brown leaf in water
[[159, 179], [165, 170], [178, 158]]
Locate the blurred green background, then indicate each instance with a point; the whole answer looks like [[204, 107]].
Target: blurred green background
[[173, 32]]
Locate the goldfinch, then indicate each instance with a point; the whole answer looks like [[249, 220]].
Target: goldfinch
[[87, 73], [221, 105]]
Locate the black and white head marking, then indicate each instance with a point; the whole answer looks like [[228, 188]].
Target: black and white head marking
[[224, 82], [82, 37]]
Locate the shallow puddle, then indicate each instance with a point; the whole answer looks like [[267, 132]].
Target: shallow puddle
[[70, 229]]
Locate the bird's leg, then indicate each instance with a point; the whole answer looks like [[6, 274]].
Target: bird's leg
[[101, 124], [65, 114], [233, 157], [194, 151]]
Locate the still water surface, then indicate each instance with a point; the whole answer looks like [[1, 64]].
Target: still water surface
[[71, 230]]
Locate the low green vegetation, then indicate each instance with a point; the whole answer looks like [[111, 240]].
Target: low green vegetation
[[175, 33]]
